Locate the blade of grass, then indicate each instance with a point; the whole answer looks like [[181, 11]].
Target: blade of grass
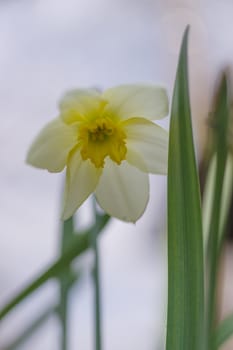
[[224, 331], [31, 329], [79, 245], [225, 200], [221, 118], [226, 197], [37, 323], [185, 316], [208, 199]]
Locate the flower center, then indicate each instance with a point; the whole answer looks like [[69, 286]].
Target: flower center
[[101, 138]]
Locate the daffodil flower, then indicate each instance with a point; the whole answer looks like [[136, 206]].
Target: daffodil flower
[[108, 144]]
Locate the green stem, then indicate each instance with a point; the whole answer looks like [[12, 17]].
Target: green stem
[[63, 316], [65, 279], [97, 298], [96, 280]]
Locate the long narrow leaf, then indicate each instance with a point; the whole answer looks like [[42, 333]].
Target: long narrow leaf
[[185, 318], [224, 331], [31, 329], [227, 192], [225, 201], [221, 120], [36, 324], [79, 245]]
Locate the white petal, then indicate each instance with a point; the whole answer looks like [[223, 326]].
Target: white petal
[[79, 103], [123, 191], [81, 180], [51, 147], [136, 159], [147, 141], [127, 101]]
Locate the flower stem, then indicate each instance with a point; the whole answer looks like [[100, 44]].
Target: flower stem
[[96, 280], [64, 315]]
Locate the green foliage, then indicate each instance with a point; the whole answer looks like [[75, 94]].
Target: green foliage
[[220, 145], [78, 246], [224, 331], [185, 318]]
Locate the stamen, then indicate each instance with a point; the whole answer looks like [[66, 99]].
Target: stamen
[[102, 138]]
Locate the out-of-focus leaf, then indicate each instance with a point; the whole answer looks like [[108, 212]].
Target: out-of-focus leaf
[[31, 329], [79, 245], [224, 331], [225, 200], [220, 145], [36, 324]]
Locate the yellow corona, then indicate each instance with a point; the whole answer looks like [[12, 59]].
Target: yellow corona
[[100, 138]]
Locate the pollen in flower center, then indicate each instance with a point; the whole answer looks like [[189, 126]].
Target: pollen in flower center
[[101, 138], [101, 131]]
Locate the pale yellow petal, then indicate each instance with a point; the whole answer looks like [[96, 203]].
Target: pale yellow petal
[[80, 104], [147, 141], [127, 101], [81, 180], [123, 191], [136, 159], [52, 146]]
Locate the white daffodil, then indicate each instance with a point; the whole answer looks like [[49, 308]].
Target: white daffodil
[[108, 144]]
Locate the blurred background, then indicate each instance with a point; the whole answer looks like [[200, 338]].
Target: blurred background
[[46, 48]]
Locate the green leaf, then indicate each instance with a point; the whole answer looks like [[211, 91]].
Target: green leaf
[[185, 317], [79, 245], [227, 192], [208, 199], [224, 331], [31, 329], [220, 122], [35, 324]]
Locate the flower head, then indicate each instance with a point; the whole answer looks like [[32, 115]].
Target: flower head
[[108, 144]]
